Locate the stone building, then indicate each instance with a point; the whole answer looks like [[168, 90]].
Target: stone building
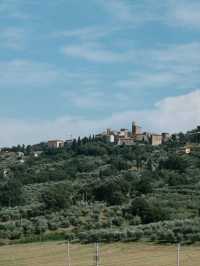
[[127, 137], [156, 139], [136, 130], [143, 137], [110, 138], [124, 133], [126, 141], [55, 144]]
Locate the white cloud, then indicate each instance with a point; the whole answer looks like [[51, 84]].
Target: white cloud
[[24, 73], [87, 99], [185, 13], [185, 53], [172, 114], [94, 52], [178, 13], [97, 100], [170, 66], [150, 80], [135, 13], [177, 113], [86, 33]]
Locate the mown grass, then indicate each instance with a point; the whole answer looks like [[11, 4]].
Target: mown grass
[[118, 254]]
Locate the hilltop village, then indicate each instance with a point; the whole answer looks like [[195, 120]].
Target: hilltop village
[[126, 137], [118, 137], [122, 137], [135, 135]]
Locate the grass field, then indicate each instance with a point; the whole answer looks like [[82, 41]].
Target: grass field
[[118, 254]]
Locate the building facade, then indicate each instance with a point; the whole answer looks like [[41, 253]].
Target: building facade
[[126, 141], [55, 144], [136, 130], [127, 137], [156, 139]]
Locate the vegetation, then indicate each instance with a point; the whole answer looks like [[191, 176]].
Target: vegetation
[[92, 190]]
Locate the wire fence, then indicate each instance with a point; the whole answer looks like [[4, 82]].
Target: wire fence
[[118, 254]]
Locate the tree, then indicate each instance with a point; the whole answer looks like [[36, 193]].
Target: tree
[[113, 192], [41, 225], [148, 211], [29, 149], [57, 196], [10, 192], [144, 186], [174, 162]]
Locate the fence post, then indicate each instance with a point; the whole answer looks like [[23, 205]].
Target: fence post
[[68, 254], [97, 257], [178, 254]]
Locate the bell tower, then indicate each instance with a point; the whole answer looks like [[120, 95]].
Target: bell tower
[[135, 129]]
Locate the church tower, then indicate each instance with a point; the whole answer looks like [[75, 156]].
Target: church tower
[[136, 130]]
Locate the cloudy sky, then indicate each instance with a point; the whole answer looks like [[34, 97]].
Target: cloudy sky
[[77, 67]]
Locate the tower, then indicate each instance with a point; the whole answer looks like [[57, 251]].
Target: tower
[[136, 130]]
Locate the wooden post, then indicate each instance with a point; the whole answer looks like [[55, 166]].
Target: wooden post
[[97, 255], [178, 254], [68, 254]]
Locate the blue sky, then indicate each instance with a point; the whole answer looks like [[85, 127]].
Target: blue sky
[[76, 67]]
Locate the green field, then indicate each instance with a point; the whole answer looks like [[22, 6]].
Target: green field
[[118, 254]]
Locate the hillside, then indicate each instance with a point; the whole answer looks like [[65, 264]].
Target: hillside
[[92, 190]]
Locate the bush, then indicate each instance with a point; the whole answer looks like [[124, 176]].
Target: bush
[[41, 225], [57, 197]]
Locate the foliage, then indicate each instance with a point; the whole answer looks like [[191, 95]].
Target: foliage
[[92, 190]]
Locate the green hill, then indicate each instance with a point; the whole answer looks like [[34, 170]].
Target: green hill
[[92, 190]]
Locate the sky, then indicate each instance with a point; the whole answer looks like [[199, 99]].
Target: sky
[[74, 67]]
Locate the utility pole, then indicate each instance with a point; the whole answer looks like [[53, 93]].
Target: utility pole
[[178, 254], [68, 254], [97, 258]]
